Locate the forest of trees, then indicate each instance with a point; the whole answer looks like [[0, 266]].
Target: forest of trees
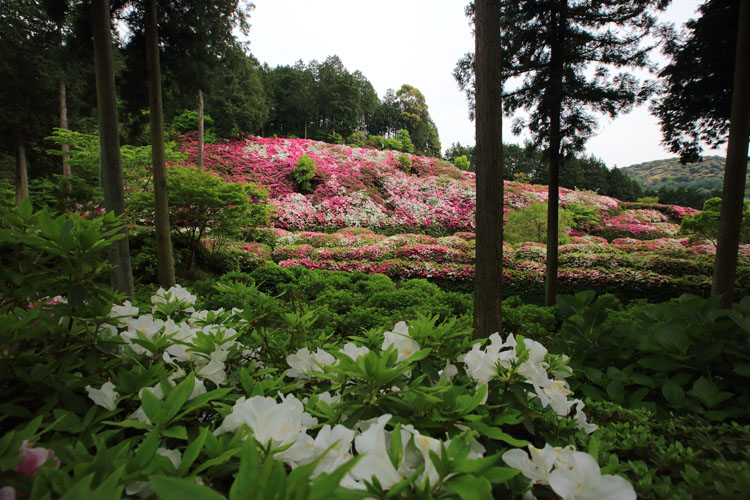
[[52, 41]]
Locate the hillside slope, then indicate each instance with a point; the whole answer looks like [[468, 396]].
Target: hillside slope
[[706, 175], [387, 191]]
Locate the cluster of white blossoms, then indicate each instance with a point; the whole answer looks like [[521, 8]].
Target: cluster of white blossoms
[[571, 474], [285, 425], [131, 328], [482, 365]]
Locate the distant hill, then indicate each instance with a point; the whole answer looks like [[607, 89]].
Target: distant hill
[[706, 175]]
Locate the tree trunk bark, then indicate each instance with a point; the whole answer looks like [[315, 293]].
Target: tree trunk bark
[[64, 125], [164, 256], [109, 143], [201, 138], [553, 199], [489, 170], [730, 219], [22, 173]]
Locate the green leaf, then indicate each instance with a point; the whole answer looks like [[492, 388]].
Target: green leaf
[[151, 405], [500, 475], [178, 396], [396, 450], [674, 394], [192, 451], [174, 488], [742, 369], [146, 451], [244, 482], [470, 487], [176, 431], [497, 434], [616, 391], [660, 364]]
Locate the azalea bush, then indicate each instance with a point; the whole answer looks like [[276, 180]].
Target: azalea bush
[[163, 399], [653, 269], [685, 356]]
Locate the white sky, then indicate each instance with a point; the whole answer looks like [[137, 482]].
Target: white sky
[[418, 42]]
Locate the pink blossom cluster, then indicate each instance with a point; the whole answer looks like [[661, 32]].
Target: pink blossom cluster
[[628, 225], [356, 187]]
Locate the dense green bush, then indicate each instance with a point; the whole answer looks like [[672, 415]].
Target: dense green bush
[[202, 204], [529, 223], [404, 162], [684, 356], [304, 173]]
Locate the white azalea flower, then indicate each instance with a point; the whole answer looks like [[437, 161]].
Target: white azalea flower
[[449, 371], [400, 339], [372, 444], [555, 394], [104, 397], [538, 467], [354, 351], [213, 368], [329, 398], [119, 312], [583, 481], [175, 294], [534, 369], [581, 420], [278, 423], [144, 325], [304, 363], [174, 456], [479, 365], [341, 439], [425, 444]]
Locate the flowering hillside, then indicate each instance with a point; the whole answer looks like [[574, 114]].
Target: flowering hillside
[[387, 190]]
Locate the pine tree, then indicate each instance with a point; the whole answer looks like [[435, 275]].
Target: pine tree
[[552, 46]]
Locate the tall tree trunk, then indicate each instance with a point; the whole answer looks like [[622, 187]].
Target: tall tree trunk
[[22, 173], [109, 143], [201, 138], [164, 255], [554, 104], [64, 125], [730, 219], [489, 169]]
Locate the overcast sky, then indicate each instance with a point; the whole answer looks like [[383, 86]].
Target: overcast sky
[[418, 42]]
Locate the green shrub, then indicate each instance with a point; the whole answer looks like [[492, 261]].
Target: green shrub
[[404, 162], [303, 173], [705, 225], [529, 223], [188, 122], [462, 162], [202, 204]]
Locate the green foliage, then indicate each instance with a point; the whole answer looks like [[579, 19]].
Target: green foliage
[[671, 458], [7, 193], [202, 204], [705, 225], [685, 356], [529, 224], [304, 173], [81, 192], [404, 138], [694, 104], [188, 121], [648, 199], [45, 255], [404, 162], [583, 217], [462, 162]]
